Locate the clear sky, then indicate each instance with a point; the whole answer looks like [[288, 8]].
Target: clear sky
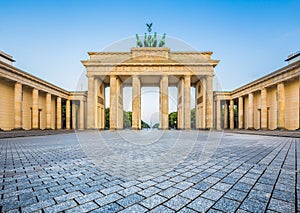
[[250, 38]]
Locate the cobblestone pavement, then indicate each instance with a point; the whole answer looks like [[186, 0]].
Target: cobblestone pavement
[[171, 171]]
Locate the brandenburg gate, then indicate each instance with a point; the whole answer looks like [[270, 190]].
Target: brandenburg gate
[[150, 64]]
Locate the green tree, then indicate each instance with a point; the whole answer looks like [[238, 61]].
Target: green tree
[[144, 124], [193, 118], [127, 119], [173, 120], [155, 125], [107, 118]]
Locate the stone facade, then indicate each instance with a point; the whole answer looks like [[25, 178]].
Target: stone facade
[[151, 67], [27, 102], [271, 102]]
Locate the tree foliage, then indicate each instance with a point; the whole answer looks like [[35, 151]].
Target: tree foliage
[[173, 120], [193, 118], [127, 119]]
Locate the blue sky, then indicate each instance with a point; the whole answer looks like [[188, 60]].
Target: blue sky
[[250, 38]]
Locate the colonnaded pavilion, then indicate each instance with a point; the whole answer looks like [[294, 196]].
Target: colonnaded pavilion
[[270, 102]]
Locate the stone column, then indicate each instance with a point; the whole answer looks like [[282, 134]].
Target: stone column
[[164, 103], [48, 111], [209, 102], [180, 103], [231, 114], [58, 113], [81, 115], [226, 115], [264, 109], [203, 82], [74, 117], [103, 119], [241, 113], [250, 111], [280, 104], [187, 102], [35, 109], [136, 102], [119, 104], [113, 103], [96, 102], [91, 121], [218, 115], [68, 110], [18, 106], [197, 105]]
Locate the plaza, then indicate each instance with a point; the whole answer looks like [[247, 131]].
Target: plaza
[[200, 113], [219, 172]]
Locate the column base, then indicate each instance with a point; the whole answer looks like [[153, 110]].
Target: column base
[[48, 129], [135, 128], [18, 129], [35, 129], [281, 128], [251, 128], [264, 128]]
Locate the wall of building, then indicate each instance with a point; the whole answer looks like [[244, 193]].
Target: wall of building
[[26, 108], [6, 105], [272, 107], [53, 112], [42, 108], [291, 104], [256, 110]]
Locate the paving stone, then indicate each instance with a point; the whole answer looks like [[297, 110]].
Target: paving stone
[[253, 205], [149, 191], [187, 210], [111, 190], [128, 191], [129, 200], [284, 195], [61, 206], [49, 195], [88, 197], [226, 205], [235, 195], [38, 206], [263, 187], [202, 186], [212, 194], [112, 207], [177, 202], [153, 201], [108, 199], [165, 184], [91, 189], [170, 192], [281, 206], [222, 186], [242, 187], [259, 195], [201, 204], [134, 208], [84, 207], [191, 193], [146, 184], [69, 196], [161, 208]]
